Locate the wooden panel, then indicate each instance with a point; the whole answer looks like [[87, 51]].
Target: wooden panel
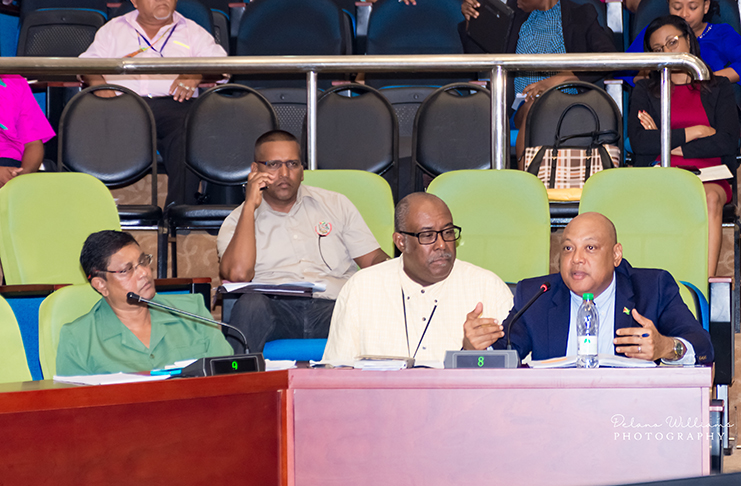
[[221, 430]]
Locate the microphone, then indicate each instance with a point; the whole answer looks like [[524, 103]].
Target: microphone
[[543, 289], [139, 298]]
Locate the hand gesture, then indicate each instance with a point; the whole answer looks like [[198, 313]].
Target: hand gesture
[[643, 342], [480, 332]]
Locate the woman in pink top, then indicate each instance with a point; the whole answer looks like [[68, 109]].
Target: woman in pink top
[[704, 121], [23, 129]]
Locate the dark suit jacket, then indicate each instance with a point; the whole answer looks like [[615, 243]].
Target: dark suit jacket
[[544, 327], [720, 107], [581, 33]]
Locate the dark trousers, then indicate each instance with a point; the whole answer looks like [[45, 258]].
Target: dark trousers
[[169, 117], [264, 318], [8, 162]]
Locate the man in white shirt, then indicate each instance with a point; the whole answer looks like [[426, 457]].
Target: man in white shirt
[[417, 305], [155, 30], [641, 312]]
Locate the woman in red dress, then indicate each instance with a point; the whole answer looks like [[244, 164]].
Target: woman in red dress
[[704, 121]]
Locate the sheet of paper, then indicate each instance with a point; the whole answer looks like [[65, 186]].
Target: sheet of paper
[[715, 173], [605, 361], [108, 379], [314, 287], [279, 364]]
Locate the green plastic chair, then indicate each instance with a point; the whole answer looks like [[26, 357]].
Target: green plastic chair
[[44, 220], [63, 306], [369, 192], [505, 219], [14, 366], [661, 219]]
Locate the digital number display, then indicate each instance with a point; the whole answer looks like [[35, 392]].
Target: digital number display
[[223, 366], [477, 361]]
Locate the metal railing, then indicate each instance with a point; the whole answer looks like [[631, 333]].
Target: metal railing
[[497, 65]]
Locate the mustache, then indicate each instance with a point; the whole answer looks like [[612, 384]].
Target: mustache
[[441, 254]]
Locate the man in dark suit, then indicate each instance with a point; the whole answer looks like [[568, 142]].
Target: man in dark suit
[[641, 312]]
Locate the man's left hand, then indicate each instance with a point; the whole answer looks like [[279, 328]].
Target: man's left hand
[[185, 86], [643, 342]]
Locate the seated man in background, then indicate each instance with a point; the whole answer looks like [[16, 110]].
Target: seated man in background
[[300, 234], [417, 305], [156, 30], [120, 336], [641, 314]]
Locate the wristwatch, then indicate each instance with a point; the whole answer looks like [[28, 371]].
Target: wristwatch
[[679, 349]]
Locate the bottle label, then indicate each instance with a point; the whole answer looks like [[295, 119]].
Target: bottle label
[[587, 345]]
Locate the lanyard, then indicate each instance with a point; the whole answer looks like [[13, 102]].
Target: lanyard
[[406, 327], [141, 37]]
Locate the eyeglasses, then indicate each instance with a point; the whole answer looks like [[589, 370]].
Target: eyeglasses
[[144, 261], [670, 45], [277, 164], [430, 237]]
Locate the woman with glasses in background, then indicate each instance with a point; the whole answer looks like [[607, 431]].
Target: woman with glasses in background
[[704, 121]]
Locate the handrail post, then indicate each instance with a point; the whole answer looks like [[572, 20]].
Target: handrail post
[[311, 89], [499, 132], [665, 128]]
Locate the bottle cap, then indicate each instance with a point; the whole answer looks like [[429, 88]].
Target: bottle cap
[[588, 296]]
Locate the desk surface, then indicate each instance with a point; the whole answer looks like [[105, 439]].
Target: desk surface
[[360, 427]]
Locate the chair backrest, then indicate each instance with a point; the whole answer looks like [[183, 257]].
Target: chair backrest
[[13, 364], [661, 219], [452, 130], [370, 194], [290, 106], [356, 129], [63, 306], [291, 27], [28, 6], [221, 129], [406, 102], [112, 139], [58, 32], [545, 113], [430, 27], [44, 220], [505, 221], [190, 9]]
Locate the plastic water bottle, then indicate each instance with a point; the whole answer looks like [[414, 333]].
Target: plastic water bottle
[[587, 331]]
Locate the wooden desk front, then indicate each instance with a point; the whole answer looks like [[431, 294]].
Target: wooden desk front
[[311, 427]]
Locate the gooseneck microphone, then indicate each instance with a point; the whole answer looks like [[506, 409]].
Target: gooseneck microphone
[[139, 298], [543, 289]]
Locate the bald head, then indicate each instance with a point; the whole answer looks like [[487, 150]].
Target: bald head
[[413, 201], [589, 254], [596, 222]]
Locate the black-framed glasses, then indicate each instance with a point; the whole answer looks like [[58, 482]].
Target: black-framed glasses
[[277, 164], [670, 45], [429, 237], [144, 261]]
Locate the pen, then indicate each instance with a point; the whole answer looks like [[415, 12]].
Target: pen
[[172, 372]]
